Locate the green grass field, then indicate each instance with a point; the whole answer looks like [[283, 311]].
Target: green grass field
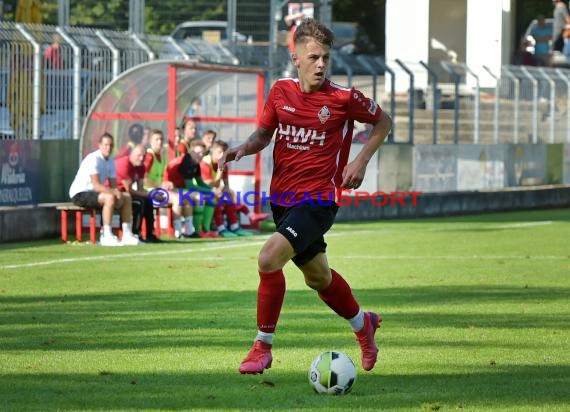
[[476, 318]]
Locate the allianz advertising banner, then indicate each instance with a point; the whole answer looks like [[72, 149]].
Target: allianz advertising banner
[[19, 172]]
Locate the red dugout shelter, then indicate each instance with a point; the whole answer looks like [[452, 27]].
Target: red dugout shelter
[[161, 94]]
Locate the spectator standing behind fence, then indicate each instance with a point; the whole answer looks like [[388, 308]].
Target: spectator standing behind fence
[[560, 18], [522, 56], [155, 165], [130, 179], [95, 186], [310, 168], [52, 54], [542, 36], [566, 37], [292, 21], [55, 96]]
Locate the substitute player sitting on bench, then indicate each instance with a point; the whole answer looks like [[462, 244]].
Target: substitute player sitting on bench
[[89, 190]]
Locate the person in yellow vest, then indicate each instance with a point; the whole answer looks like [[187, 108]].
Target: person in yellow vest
[[155, 165]]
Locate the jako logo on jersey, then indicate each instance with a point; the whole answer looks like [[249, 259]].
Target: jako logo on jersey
[[290, 230], [324, 114], [289, 109], [301, 135]]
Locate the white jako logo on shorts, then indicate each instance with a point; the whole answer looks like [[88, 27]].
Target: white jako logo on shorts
[[290, 230]]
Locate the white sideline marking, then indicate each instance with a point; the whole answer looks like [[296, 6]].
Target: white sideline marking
[[524, 224], [454, 257], [217, 246], [259, 240]]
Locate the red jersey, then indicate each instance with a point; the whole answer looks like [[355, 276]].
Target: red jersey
[[182, 168], [207, 171], [126, 171], [314, 133], [182, 148]]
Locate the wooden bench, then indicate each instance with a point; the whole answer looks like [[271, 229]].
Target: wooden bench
[[68, 208]]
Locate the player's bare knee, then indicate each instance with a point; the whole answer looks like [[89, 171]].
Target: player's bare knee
[[317, 281], [266, 261], [107, 199]]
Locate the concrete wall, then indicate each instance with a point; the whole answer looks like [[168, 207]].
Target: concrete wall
[[461, 203], [28, 223], [43, 222]]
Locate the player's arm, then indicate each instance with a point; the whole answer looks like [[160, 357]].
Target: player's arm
[[353, 173], [137, 189], [97, 185], [206, 174], [256, 142]]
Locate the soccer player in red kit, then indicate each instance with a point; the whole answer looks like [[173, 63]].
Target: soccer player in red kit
[[313, 119]]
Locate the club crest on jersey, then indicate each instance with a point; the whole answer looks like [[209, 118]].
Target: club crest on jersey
[[324, 114]]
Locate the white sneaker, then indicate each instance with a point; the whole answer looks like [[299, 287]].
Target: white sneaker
[[109, 240], [130, 240]]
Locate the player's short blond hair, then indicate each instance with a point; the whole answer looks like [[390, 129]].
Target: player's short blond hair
[[312, 29]]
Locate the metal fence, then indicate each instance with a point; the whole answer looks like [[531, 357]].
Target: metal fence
[[46, 94], [527, 105]]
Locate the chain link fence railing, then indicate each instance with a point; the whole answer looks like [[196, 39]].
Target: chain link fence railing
[[50, 76]]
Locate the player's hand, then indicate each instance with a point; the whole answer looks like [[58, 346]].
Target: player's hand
[[117, 193], [228, 156], [353, 175]]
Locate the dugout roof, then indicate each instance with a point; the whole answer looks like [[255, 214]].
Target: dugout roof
[[160, 95]]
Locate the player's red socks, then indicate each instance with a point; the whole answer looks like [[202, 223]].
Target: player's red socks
[[270, 295], [338, 296]]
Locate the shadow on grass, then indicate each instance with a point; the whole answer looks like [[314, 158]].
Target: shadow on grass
[[543, 388], [179, 319]]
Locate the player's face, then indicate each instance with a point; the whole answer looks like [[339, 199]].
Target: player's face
[[137, 156], [217, 153], [156, 142], [208, 139], [311, 59], [190, 130], [106, 147], [199, 150]]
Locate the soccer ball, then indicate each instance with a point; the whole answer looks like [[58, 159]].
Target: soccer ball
[[332, 373]]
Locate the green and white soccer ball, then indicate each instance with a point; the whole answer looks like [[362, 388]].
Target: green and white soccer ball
[[332, 373]]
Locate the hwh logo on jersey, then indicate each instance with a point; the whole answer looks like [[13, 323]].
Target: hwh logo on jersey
[[301, 135]]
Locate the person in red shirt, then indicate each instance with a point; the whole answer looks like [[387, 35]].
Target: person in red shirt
[[292, 21], [130, 178], [313, 120], [229, 205], [189, 133], [184, 173], [136, 135], [155, 163], [52, 54]]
